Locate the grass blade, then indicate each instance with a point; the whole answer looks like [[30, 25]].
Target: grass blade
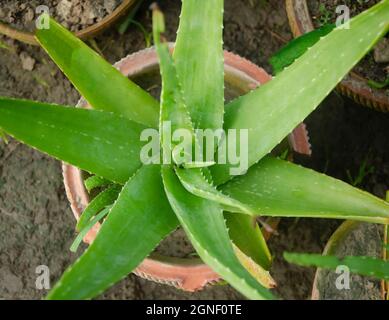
[[102, 200], [366, 266], [88, 225]]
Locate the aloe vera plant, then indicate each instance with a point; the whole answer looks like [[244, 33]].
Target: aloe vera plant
[[216, 209]]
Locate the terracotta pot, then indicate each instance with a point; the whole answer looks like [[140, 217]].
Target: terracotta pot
[[353, 85], [88, 32], [187, 274]]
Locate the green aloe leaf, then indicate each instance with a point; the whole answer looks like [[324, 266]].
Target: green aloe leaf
[[116, 251], [256, 270], [204, 224], [199, 59], [94, 182], [175, 112], [366, 266], [379, 85], [243, 229], [247, 236], [195, 181], [110, 147], [98, 142], [274, 187], [102, 200], [100, 83], [174, 115], [297, 47], [269, 114]]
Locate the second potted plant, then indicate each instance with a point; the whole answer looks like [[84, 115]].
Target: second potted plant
[[363, 83]]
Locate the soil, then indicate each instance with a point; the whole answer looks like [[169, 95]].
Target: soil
[[36, 223], [73, 14], [324, 12]]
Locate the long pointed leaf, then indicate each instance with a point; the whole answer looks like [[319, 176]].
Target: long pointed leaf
[[101, 201], [199, 59], [196, 183], [366, 266], [274, 187], [175, 112], [100, 83], [138, 221], [259, 273], [276, 108], [204, 224], [247, 236], [87, 227], [297, 47], [244, 231], [98, 142]]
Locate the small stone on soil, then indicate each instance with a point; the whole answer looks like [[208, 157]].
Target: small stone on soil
[[10, 281], [73, 14], [381, 51], [28, 62]]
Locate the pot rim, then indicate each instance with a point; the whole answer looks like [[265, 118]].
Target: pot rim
[[353, 85], [189, 274], [85, 33]]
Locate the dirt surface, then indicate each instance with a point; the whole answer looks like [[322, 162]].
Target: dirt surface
[[74, 14], [36, 224], [324, 12]]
